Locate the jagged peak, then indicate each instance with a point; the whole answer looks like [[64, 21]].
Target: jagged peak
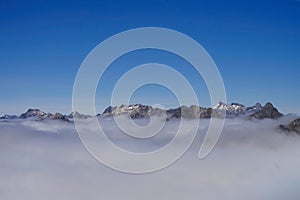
[[269, 105], [267, 111], [30, 110]]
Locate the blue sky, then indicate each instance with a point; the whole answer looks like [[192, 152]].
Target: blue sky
[[255, 44]]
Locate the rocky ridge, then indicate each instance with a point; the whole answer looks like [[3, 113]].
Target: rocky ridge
[[139, 111], [294, 126]]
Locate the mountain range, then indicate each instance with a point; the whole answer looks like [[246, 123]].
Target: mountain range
[[230, 110], [139, 111]]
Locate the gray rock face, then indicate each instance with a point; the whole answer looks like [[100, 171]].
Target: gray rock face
[[141, 111], [135, 111], [138, 111], [192, 112], [34, 113], [109, 110], [255, 108], [293, 126], [77, 115], [267, 112], [40, 115], [58, 116]]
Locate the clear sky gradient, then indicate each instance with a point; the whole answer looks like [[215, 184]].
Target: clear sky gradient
[[255, 44]]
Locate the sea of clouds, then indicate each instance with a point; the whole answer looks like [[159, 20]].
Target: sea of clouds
[[252, 160]]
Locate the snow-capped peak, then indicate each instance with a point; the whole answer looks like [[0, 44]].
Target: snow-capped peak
[[234, 108]]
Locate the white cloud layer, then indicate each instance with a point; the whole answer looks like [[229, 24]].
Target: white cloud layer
[[252, 160]]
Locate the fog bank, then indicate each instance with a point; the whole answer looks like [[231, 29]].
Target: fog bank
[[252, 160]]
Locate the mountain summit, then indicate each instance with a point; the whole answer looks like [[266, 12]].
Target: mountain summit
[[268, 111]]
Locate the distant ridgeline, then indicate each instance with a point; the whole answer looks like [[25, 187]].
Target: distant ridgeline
[[139, 111]]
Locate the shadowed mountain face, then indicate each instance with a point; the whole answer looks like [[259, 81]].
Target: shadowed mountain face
[[34, 113], [139, 111], [268, 111], [77, 115], [136, 111], [294, 126], [40, 115]]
